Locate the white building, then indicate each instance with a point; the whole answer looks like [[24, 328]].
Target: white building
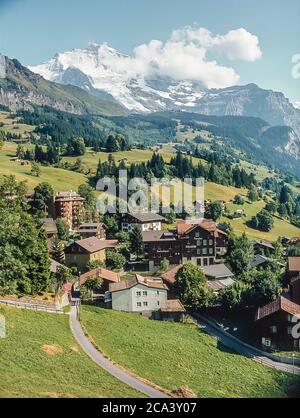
[[138, 294]]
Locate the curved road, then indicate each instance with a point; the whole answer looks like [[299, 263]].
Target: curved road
[[242, 348], [103, 362]]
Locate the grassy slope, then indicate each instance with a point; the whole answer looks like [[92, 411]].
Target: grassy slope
[[27, 370], [58, 178], [281, 228], [176, 355]]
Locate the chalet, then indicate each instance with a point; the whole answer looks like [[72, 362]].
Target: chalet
[[159, 245], [143, 295], [263, 247], [82, 252], [274, 325], [199, 243], [100, 273], [87, 230], [146, 221]]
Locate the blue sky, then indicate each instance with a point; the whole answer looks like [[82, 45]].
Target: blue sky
[[34, 30]]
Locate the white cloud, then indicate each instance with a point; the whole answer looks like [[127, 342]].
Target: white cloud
[[190, 54], [184, 56]]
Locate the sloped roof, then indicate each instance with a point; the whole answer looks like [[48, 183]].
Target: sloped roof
[[264, 244], [49, 225], [173, 306], [217, 271], [92, 225], [133, 281], [281, 304], [184, 227], [170, 275], [259, 260], [217, 285], [147, 217], [154, 236], [100, 273], [94, 244]]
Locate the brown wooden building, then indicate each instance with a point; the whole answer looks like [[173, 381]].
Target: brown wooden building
[[92, 229], [199, 243], [275, 323]]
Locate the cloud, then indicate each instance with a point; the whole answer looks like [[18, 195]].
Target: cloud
[[185, 56], [193, 54]]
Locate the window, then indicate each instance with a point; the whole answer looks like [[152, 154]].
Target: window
[[139, 304], [198, 252], [158, 303], [157, 293], [204, 251], [290, 330], [211, 242], [211, 251], [205, 262], [138, 294], [145, 304], [205, 242], [197, 234], [273, 329], [145, 293], [290, 318]]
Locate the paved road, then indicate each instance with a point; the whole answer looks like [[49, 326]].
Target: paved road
[[103, 362], [242, 348]]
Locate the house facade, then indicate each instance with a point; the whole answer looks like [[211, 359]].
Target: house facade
[[139, 295], [274, 325], [146, 221], [87, 230], [82, 252], [200, 243]]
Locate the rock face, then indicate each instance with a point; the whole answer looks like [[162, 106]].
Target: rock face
[[20, 88], [96, 69]]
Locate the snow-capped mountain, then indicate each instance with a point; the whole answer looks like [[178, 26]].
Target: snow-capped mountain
[[98, 69], [104, 72]]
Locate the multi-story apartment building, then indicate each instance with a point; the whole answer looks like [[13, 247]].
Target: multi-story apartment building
[[68, 206], [199, 243]]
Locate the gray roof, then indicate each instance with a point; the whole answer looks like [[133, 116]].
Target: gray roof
[[153, 236], [147, 217], [264, 244], [259, 260], [217, 271]]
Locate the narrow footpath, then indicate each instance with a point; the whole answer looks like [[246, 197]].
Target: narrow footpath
[[103, 362]]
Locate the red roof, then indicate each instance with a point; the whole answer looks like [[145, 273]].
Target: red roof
[[170, 276], [281, 304], [173, 306], [184, 227], [100, 273]]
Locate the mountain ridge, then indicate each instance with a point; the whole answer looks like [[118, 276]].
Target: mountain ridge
[[20, 88], [139, 94]]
